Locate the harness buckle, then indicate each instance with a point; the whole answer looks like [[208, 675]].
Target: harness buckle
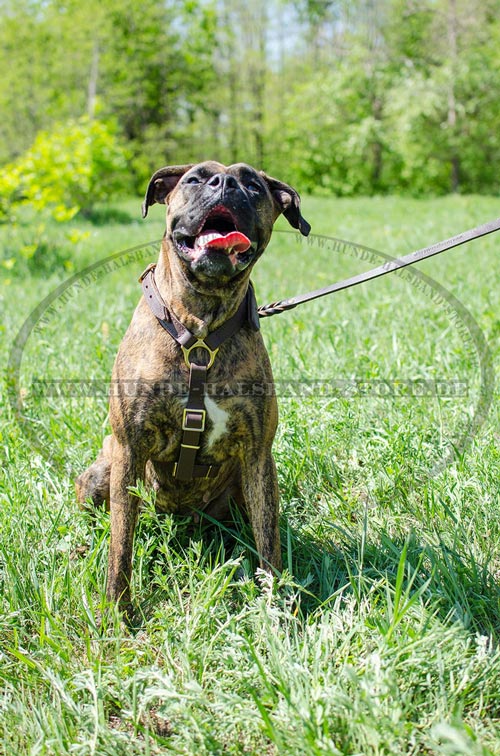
[[187, 419], [200, 344]]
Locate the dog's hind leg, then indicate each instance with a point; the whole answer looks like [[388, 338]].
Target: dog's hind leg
[[93, 483]]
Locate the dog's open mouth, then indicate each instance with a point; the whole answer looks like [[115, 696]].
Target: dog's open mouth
[[217, 234]]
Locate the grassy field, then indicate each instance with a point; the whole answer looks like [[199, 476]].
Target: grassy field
[[382, 635]]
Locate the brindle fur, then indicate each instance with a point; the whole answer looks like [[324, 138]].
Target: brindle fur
[[146, 417]]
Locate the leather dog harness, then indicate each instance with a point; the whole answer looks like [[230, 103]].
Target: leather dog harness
[[193, 423], [194, 416]]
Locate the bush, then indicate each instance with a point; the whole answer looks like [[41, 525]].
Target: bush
[[66, 171]]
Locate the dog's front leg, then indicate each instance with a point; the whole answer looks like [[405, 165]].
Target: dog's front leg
[[124, 507], [261, 498]]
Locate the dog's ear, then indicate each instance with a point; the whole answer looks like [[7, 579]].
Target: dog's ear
[[287, 201], [161, 184]]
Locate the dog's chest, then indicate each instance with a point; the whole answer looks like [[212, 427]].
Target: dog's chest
[[224, 436], [237, 400], [219, 418]]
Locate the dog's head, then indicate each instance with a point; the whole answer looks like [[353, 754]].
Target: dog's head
[[220, 219]]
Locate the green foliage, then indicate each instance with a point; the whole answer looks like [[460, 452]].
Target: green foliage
[[391, 96], [147, 64], [349, 98], [331, 116], [67, 170]]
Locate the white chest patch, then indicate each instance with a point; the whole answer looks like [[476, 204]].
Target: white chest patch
[[219, 418]]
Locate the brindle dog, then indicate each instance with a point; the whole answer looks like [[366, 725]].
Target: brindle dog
[[219, 222]]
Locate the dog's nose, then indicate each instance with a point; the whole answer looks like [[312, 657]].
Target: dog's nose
[[223, 181]]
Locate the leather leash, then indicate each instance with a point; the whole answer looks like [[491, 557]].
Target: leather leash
[[194, 416], [275, 308]]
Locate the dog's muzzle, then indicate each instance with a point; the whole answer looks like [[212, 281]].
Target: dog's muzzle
[[217, 234]]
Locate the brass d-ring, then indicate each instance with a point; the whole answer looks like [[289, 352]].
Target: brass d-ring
[[200, 344]]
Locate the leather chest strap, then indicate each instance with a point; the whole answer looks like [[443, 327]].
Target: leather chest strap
[[194, 416], [193, 425]]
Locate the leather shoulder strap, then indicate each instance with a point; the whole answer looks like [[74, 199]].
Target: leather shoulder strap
[[246, 313]]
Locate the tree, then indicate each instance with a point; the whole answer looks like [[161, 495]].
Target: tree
[[345, 96], [145, 63]]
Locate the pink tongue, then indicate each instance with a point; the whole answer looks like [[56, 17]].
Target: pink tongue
[[234, 242]]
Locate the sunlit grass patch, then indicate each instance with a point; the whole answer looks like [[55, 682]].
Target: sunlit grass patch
[[382, 635]]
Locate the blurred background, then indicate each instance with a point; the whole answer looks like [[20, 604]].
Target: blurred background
[[339, 97]]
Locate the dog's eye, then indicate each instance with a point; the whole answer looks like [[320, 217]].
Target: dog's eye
[[254, 186], [193, 180]]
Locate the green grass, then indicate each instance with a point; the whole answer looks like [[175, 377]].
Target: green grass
[[382, 635]]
